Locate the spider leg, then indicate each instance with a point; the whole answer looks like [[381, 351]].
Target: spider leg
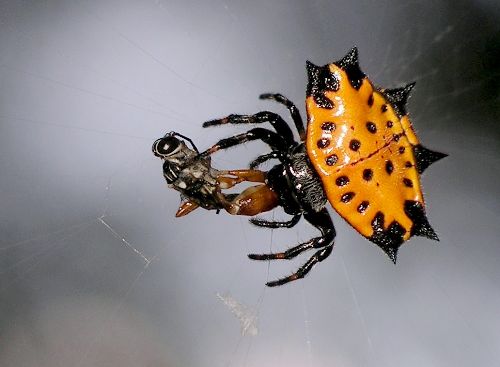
[[274, 140], [301, 272], [324, 243], [265, 157], [273, 224], [274, 119], [291, 252], [294, 111]]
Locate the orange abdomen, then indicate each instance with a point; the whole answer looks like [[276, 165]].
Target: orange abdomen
[[362, 144]]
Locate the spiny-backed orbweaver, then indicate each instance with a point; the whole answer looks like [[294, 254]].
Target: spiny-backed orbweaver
[[359, 152]]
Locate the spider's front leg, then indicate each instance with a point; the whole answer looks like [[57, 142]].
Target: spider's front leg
[[294, 111], [275, 141], [274, 119], [324, 243], [264, 158]]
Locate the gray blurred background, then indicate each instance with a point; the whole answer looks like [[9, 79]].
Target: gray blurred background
[[96, 271]]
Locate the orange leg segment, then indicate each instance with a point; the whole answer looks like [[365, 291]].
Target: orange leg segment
[[241, 175], [186, 208], [252, 201]]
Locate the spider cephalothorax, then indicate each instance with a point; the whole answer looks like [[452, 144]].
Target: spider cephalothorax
[[359, 152]]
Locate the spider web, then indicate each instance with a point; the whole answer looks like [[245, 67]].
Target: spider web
[[95, 270]]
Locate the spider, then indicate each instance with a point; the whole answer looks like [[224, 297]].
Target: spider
[[200, 185], [359, 152]]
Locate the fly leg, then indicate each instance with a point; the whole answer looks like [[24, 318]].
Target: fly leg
[[250, 175], [252, 201], [186, 208]]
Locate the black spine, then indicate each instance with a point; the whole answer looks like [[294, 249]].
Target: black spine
[[425, 157]]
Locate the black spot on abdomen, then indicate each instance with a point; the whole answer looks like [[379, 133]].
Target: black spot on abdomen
[[367, 174], [407, 182], [323, 143], [371, 127], [342, 181], [363, 206], [328, 126], [354, 145], [332, 159], [389, 167], [347, 197]]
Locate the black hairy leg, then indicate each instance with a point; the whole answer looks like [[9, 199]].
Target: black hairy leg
[[324, 243], [294, 111], [264, 158], [274, 224], [274, 140], [274, 119]]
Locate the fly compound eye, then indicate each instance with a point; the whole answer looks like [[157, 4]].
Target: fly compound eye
[[166, 146]]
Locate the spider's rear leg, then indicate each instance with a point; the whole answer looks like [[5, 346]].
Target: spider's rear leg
[[323, 222], [274, 119], [294, 111], [320, 255], [274, 224]]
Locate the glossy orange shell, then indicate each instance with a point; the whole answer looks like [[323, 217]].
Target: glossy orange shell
[[363, 154]]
